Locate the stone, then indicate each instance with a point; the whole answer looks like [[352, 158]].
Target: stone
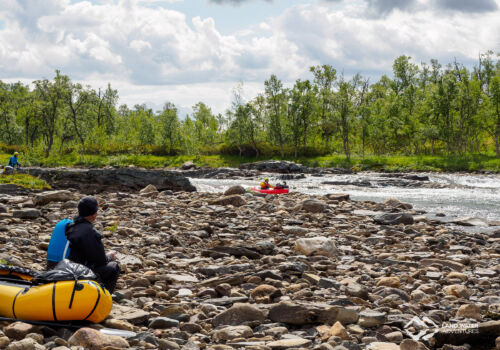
[[394, 337], [165, 344], [370, 318], [25, 344], [410, 344], [264, 293], [238, 314], [237, 189], [457, 290], [125, 313], [356, 290], [4, 342], [47, 197], [294, 230], [394, 219], [289, 344], [163, 322], [149, 189], [396, 203], [316, 246], [234, 200], [187, 165], [313, 206], [469, 221], [26, 213], [393, 282], [382, 346], [232, 332], [18, 330], [291, 313], [94, 340], [469, 311], [338, 330]]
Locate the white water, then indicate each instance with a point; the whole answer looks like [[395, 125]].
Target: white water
[[466, 195]]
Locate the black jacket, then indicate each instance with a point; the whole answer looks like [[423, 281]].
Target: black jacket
[[86, 245]]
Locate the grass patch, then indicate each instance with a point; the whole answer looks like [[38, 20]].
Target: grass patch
[[25, 181], [3, 262], [392, 163], [112, 228]]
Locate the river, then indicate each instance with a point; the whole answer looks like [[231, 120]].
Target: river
[[462, 195]]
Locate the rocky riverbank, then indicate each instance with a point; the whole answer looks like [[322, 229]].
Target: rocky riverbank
[[244, 271]]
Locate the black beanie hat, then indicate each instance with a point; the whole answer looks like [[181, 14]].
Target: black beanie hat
[[87, 206]]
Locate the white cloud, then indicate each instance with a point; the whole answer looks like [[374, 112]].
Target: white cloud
[[149, 52]]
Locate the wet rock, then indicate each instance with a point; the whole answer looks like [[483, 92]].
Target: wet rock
[[394, 219], [94, 340], [469, 221], [237, 189], [162, 323], [316, 246], [395, 203], [238, 314]]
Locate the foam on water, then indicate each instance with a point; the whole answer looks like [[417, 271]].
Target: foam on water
[[467, 195]]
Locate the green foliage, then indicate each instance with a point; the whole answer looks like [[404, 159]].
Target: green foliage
[[25, 181], [422, 110], [112, 228]]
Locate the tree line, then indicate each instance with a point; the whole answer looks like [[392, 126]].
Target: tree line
[[423, 109]]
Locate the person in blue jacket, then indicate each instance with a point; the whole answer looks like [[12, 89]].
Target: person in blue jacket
[[86, 245], [13, 161]]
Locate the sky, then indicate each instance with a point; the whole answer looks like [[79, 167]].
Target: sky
[[187, 51]]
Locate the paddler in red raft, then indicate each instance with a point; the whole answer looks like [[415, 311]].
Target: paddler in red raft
[[265, 185]]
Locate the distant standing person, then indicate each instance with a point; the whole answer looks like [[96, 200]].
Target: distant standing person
[[13, 161], [86, 244]]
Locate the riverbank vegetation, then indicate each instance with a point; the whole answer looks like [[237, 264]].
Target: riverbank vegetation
[[25, 181], [426, 116]]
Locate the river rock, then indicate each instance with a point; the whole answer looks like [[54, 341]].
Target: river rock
[[469, 221], [94, 340], [289, 344], [370, 318], [396, 203], [26, 213], [149, 189], [316, 246], [313, 206], [283, 166], [53, 196], [394, 219], [238, 314], [25, 344], [237, 189], [234, 200], [19, 330], [232, 332], [382, 346], [469, 311]]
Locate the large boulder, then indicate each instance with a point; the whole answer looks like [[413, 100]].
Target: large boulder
[[316, 246], [19, 330], [53, 196], [469, 221], [394, 219], [238, 189], [97, 180]]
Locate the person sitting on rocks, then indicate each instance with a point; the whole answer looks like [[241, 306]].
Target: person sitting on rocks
[[13, 161], [265, 185], [86, 244]]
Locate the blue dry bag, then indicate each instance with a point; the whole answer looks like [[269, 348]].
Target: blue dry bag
[[59, 246]]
